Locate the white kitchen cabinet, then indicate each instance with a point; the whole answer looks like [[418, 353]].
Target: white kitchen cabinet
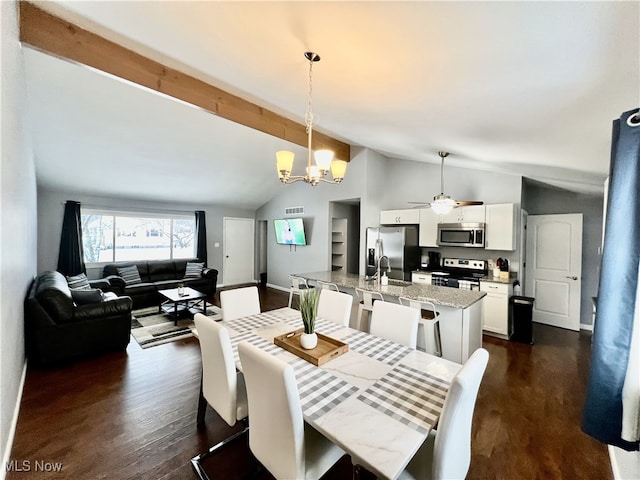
[[495, 308], [428, 231], [500, 233], [409, 216], [468, 214], [421, 277]]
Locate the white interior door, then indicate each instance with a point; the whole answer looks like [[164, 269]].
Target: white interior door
[[238, 250], [554, 268]]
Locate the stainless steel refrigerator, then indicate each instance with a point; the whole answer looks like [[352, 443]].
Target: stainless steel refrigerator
[[399, 244]]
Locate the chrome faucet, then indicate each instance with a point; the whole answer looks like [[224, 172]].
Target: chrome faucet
[[378, 269]]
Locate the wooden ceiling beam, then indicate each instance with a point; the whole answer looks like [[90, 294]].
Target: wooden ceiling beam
[[53, 35]]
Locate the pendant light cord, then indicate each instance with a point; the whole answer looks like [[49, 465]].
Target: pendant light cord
[[441, 175], [308, 118]]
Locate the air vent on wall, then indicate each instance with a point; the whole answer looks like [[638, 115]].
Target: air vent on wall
[[294, 211]]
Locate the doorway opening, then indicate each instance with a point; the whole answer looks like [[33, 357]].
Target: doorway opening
[[344, 230]]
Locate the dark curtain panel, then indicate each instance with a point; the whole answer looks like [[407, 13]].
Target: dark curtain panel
[[71, 256], [602, 416], [201, 237]]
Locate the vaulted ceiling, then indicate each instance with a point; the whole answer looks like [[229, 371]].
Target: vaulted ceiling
[[529, 88]]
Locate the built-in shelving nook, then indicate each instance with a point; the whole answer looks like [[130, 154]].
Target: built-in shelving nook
[[338, 244]]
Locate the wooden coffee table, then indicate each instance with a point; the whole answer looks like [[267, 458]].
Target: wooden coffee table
[[175, 304]]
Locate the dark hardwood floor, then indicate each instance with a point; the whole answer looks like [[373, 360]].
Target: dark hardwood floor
[[133, 415]]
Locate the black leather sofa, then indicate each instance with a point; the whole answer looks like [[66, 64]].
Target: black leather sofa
[[61, 325], [158, 275]]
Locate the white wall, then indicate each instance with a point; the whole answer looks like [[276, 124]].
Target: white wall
[[51, 210], [17, 223]]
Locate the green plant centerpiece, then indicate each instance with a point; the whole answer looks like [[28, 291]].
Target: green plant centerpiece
[[309, 310]]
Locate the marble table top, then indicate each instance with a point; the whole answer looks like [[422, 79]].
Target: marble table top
[[378, 401], [445, 296]]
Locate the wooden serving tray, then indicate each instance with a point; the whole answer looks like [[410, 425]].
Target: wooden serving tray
[[327, 348]]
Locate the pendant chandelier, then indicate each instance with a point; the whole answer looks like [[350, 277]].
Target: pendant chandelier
[[324, 160]]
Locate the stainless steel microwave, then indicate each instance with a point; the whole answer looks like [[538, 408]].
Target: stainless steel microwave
[[461, 235]]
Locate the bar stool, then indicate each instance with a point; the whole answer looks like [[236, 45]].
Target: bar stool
[[327, 285], [366, 298], [298, 285], [428, 327]]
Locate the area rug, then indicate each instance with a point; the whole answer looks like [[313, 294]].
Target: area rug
[[151, 328]]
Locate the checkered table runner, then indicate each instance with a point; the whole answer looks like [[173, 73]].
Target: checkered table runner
[[326, 326], [252, 338], [253, 322], [377, 348], [411, 396], [319, 390]]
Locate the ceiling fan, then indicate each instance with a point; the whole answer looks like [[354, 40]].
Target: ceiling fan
[[443, 204]]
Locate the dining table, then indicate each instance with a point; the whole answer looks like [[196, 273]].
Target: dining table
[[377, 401]]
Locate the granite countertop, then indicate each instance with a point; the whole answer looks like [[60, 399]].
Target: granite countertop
[[512, 277], [445, 296]]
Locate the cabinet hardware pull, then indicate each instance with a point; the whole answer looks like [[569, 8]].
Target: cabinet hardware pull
[[572, 277]]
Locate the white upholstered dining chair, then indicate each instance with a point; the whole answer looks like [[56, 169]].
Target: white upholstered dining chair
[[279, 438], [298, 285], [239, 302], [429, 326], [446, 453], [222, 386], [335, 306], [395, 322]]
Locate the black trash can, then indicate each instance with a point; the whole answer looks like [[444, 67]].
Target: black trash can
[[263, 279], [520, 314]]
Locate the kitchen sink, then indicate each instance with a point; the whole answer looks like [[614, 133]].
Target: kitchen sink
[[392, 282]]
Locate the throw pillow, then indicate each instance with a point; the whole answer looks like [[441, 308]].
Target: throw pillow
[[130, 275], [85, 297], [194, 270], [78, 282]]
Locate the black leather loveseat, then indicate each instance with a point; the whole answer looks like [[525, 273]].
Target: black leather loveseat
[[158, 275], [61, 324]]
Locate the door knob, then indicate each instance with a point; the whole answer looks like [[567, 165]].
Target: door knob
[[572, 278]]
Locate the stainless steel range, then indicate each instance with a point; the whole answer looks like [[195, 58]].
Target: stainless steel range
[[460, 273]]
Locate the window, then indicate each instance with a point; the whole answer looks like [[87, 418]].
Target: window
[[121, 237]]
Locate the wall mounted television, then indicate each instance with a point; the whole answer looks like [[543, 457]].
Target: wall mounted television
[[290, 231]]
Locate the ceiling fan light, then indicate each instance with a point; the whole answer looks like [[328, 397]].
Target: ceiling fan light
[[442, 204]]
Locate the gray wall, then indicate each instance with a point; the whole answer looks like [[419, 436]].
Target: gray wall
[[540, 199], [17, 223], [283, 260], [51, 209], [380, 183], [409, 181]]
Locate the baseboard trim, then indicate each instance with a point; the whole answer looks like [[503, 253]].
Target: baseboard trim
[[584, 326], [614, 463], [14, 423], [278, 287]]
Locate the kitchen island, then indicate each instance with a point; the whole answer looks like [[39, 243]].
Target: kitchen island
[[460, 310]]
